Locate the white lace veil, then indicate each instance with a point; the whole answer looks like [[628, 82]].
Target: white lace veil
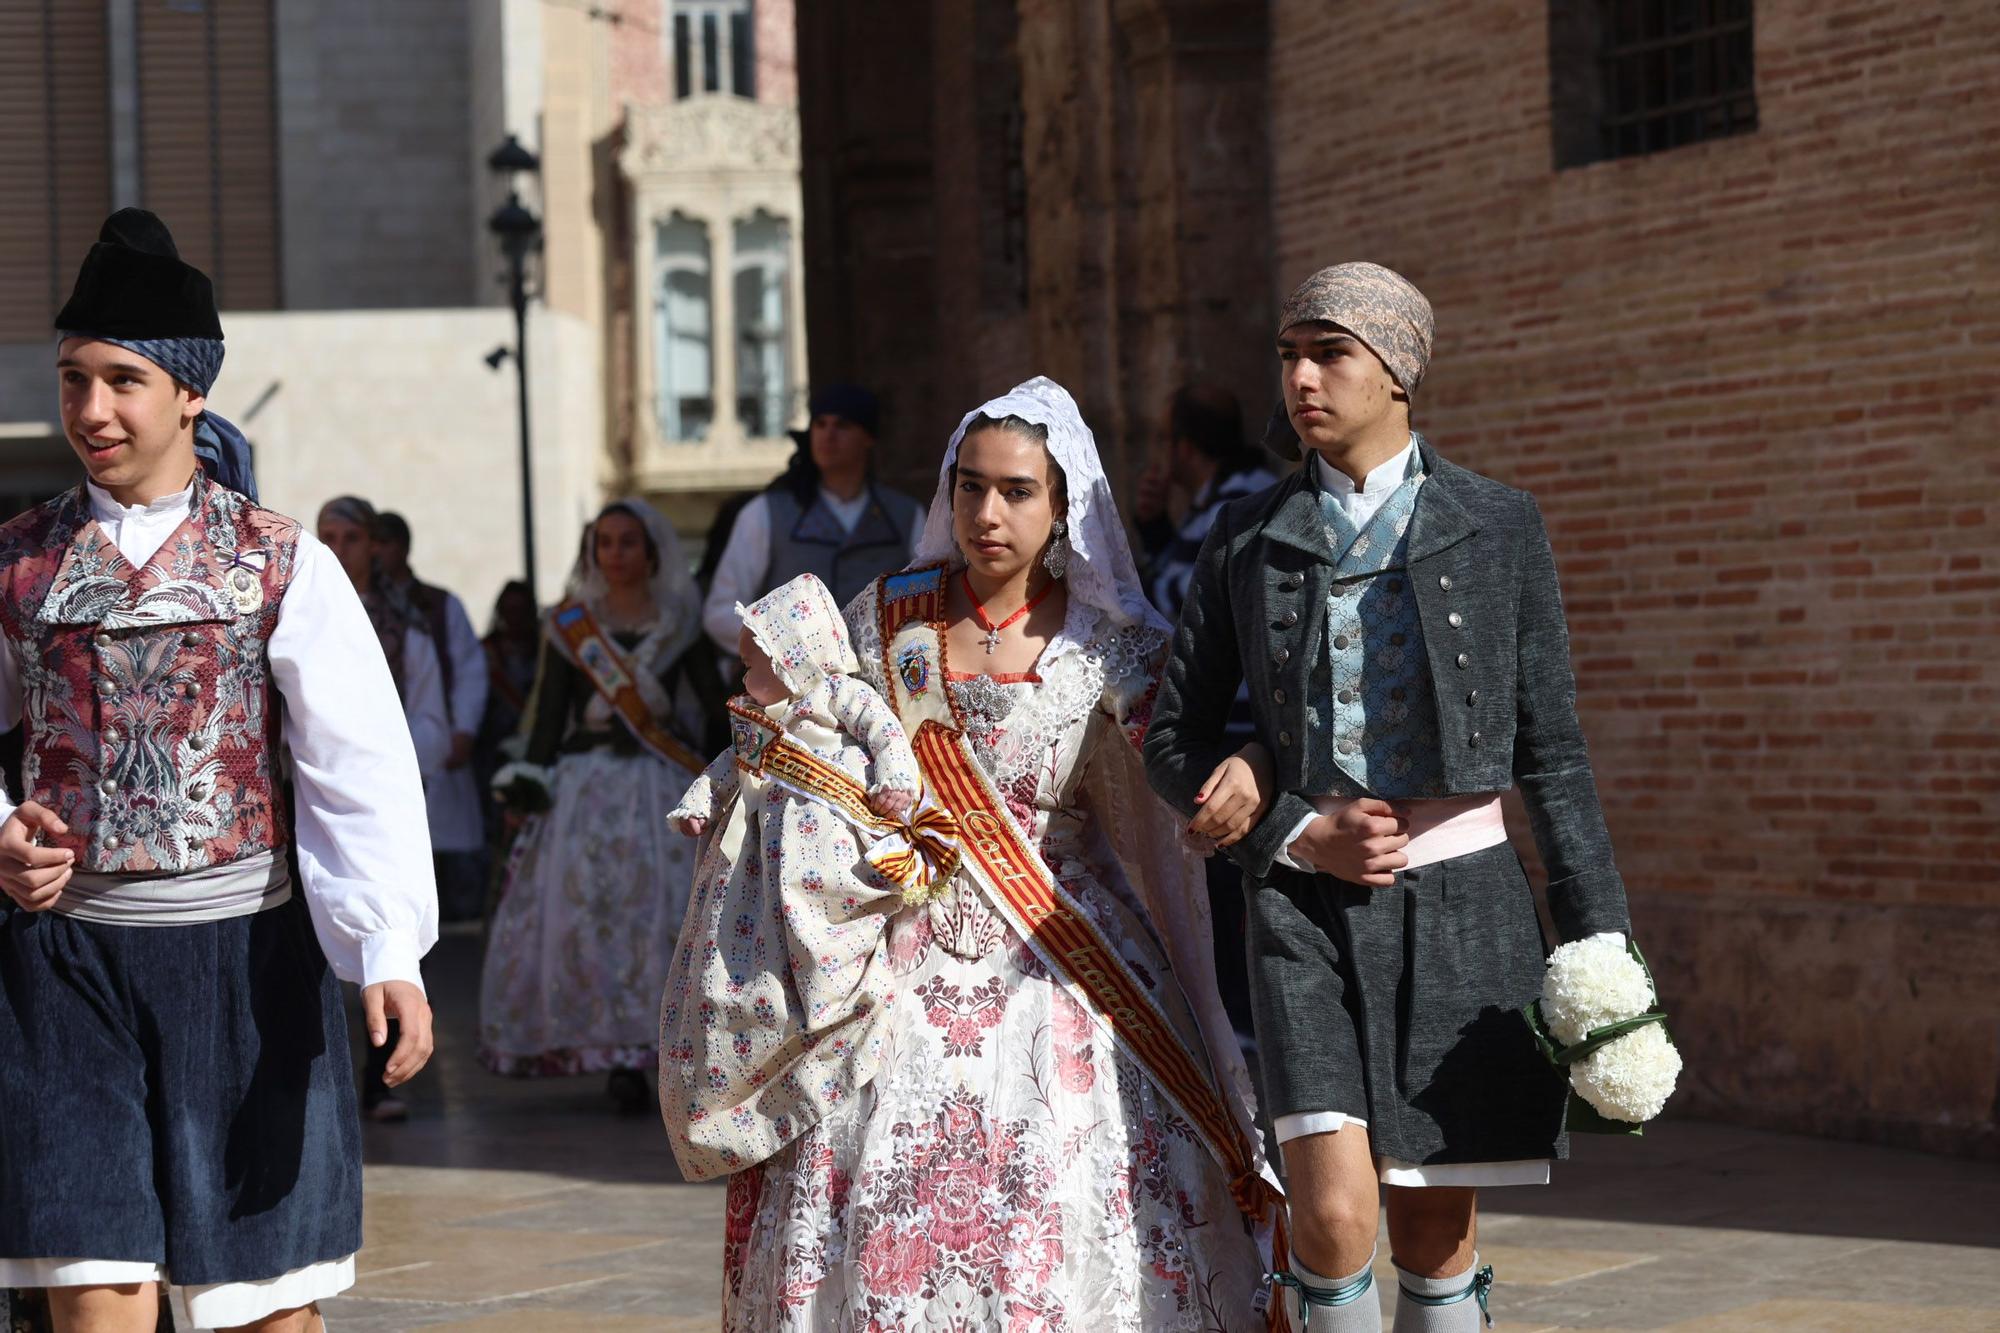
[[1101, 570], [672, 585]]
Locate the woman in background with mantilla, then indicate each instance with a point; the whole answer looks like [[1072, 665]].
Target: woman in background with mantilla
[[596, 884]]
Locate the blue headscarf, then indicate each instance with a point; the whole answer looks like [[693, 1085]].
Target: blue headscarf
[[195, 362]]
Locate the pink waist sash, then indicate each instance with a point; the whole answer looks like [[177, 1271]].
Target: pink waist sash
[[1441, 829]]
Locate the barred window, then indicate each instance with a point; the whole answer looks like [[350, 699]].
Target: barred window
[[1629, 77], [715, 48]]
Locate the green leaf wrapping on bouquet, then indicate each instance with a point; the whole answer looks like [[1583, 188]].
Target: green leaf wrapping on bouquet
[[1610, 1032], [1580, 1117]]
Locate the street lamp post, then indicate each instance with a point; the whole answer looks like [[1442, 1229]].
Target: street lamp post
[[520, 235]]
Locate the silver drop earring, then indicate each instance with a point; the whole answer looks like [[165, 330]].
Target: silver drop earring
[[1056, 557]]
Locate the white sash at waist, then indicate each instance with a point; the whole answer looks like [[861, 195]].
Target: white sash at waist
[[213, 893]]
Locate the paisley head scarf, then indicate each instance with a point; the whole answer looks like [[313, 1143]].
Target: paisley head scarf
[[1379, 306]]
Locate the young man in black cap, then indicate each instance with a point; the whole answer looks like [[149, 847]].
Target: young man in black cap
[[824, 516], [176, 1103]]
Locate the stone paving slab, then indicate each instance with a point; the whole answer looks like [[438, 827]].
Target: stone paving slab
[[506, 1206]]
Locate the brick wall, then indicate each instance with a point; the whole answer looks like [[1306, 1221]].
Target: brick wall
[[777, 52], [1753, 384]]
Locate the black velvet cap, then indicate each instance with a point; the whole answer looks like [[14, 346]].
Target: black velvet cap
[[133, 284]]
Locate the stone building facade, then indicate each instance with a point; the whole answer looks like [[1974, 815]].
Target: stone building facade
[[995, 190], [1751, 378], [326, 164]]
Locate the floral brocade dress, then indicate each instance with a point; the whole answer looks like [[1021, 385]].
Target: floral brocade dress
[[1009, 1168], [595, 886]]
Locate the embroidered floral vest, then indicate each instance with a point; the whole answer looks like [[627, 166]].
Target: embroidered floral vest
[[151, 717]]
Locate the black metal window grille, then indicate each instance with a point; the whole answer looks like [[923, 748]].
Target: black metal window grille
[[1629, 77]]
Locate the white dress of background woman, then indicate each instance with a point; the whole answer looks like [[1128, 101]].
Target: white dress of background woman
[[596, 885]]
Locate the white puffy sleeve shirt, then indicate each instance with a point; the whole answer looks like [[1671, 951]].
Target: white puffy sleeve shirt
[[363, 842]]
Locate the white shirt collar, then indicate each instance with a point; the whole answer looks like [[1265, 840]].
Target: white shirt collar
[[1384, 477], [107, 509], [848, 512]]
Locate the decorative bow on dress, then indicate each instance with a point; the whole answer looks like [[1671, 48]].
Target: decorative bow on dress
[[922, 855]]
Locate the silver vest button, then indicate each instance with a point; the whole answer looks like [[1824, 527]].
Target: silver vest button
[[1444, 581], [111, 842], [1454, 620], [1345, 696], [105, 688], [111, 736], [1472, 698], [1284, 738], [1473, 739], [108, 787], [1289, 619], [103, 639], [1278, 695], [190, 640], [1348, 747], [1464, 661], [1282, 656], [1340, 641]]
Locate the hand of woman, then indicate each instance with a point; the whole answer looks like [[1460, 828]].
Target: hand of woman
[[1236, 795], [689, 825]]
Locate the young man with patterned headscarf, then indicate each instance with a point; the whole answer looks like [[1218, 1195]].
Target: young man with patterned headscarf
[[1399, 624], [176, 1102]]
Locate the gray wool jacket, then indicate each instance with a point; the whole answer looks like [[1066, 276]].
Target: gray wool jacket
[[1485, 582]]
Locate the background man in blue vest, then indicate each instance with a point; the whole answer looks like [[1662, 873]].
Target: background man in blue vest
[[825, 516]]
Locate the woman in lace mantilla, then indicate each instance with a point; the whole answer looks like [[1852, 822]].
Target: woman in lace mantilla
[[1012, 1165], [596, 883]]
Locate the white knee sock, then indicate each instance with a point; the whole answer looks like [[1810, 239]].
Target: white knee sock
[[1454, 1304], [1332, 1304]]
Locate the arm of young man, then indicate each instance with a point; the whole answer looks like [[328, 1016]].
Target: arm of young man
[[1551, 765], [739, 575], [1185, 742], [32, 876], [363, 839]]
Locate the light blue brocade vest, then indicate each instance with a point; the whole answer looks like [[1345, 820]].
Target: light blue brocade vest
[[1373, 719]]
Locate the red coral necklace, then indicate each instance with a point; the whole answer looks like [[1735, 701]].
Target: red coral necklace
[[986, 623]]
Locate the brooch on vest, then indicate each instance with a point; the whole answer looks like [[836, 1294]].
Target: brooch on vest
[[243, 577]]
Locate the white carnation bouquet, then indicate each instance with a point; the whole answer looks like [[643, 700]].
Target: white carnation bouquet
[[1599, 1018]]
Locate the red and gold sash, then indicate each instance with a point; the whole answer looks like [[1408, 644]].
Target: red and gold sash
[[914, 854], [610, 675], [1018, 883]]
